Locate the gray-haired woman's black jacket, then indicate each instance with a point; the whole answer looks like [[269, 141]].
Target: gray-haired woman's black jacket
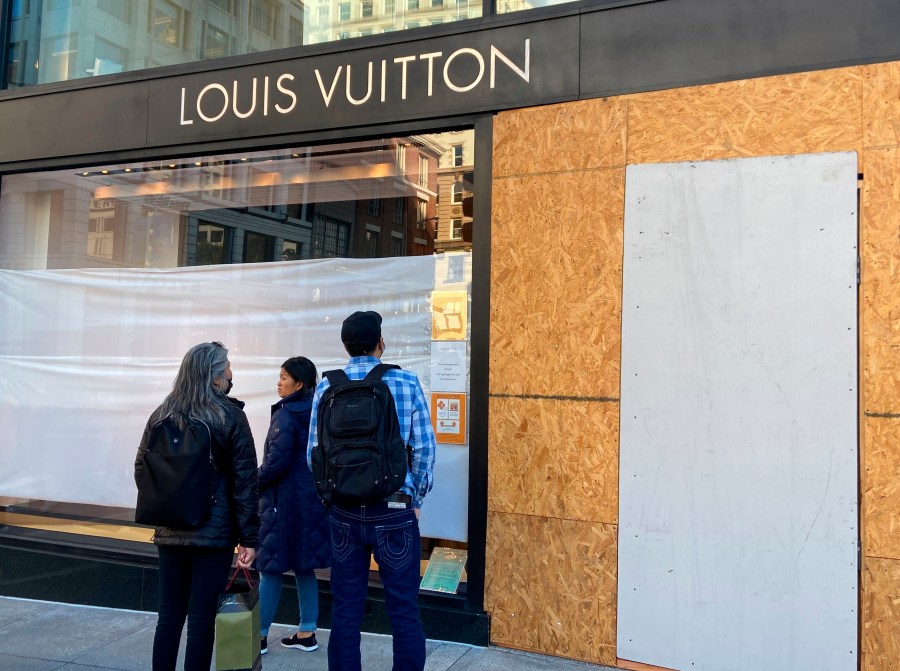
[[234, 515]]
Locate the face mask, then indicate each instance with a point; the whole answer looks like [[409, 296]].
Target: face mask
[[230, 385]]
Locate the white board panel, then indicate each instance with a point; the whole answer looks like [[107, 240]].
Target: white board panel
[[738, 471]]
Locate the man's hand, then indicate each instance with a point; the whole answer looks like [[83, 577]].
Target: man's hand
[[245, 556], [417, 511]]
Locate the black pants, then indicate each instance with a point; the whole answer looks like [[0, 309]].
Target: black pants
[[190, 580]]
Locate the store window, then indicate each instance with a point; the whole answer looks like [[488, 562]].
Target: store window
[[141, 260]]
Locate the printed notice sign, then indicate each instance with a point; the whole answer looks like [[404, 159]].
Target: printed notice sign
[[444, 570], [449, 312], [448, 416], [448, 365]]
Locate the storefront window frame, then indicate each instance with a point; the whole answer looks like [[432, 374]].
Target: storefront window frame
[[482, 125]]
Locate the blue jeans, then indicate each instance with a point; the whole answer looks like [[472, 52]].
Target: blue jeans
[[190, 581], [307, 595], [393, 535]]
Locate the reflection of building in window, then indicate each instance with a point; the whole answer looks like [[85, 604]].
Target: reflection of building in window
[[210, 244], [257, 247], [397, 244], [290, 250], [373, 244], [399, 210], [264, 16], [375, 207], [120, 9], [215, 42], [104, 229], [166, 22]]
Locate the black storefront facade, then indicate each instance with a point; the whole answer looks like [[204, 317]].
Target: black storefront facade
[[440, 79]]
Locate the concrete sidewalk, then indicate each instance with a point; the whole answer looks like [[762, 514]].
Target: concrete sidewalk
[[45, 636]]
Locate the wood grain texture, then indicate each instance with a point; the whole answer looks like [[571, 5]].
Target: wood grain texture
[[556, 138], [551, 586], [790, 114], [554, 458], [880, 645], [880, 280], [556, 284], [881, 104], [881, 487]]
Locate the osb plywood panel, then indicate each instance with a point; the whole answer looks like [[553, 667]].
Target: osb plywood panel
[[570, 136], [881, 487], [791, 114], [556, 283], [554, 458], [880, 257], [550, 586], [880, 646], [881, 104]]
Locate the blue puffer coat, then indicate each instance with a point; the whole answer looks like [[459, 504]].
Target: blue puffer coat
[[294, 533]]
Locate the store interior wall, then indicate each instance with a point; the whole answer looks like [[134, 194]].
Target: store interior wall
[[558, 196]]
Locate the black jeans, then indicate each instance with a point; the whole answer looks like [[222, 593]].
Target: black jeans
[[190, 581]]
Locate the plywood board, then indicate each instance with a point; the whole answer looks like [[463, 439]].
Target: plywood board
[[790, 114], [738, 471], [881, 615], [571, 136], [881, 104], [880, 278], [554, 458], [550, 586], [556, 278], [881, 487]]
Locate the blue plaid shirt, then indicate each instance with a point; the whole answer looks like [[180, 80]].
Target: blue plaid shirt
[[415, 422]]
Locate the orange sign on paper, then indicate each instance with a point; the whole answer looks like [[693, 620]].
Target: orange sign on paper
[[448, 417]]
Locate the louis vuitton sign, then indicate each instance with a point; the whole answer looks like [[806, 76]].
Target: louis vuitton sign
[[465, 73]]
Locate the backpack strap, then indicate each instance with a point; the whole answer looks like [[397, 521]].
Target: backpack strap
[[335, 376], [379, 370]]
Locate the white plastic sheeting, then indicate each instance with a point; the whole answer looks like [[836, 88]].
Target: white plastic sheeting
[[86, 355]]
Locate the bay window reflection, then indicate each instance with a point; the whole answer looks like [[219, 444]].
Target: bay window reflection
[[342, 200]]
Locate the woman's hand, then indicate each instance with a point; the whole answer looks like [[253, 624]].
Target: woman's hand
[[245, 556]]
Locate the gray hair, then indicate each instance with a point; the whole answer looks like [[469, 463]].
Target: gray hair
[[194, 392]]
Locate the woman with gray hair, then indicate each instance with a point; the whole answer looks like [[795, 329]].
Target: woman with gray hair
[[194, 563]]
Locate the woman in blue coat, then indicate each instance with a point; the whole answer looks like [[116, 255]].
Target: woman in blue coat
[[294, 532]]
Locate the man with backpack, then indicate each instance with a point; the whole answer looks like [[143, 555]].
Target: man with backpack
[[371, 449]]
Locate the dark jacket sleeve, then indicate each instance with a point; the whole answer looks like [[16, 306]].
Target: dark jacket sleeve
[[244, 490], [279, 450]]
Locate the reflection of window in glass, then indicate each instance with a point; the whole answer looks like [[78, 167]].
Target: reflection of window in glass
[[456, 194], [60, 58], [264, 16], [166, 20], [412, 4], [437, 3], [335, 239], [457, 155], [396, 245], [215, 42], [257, 247], [324, 11], [423, 170], [15, 69], [462, 8], [227, 6], [121, 9], [375, 207], [211, 241], [290, 250], [344, 11], [399, 210], [421, 214], [104, 229], [373, 244], [401, 158], [456, 229], [296, 32], [108, 57], [365, 8], [388, 7], [21, 8]]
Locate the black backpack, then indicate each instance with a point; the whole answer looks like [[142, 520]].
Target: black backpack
[[360, 455], [174, 475]]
